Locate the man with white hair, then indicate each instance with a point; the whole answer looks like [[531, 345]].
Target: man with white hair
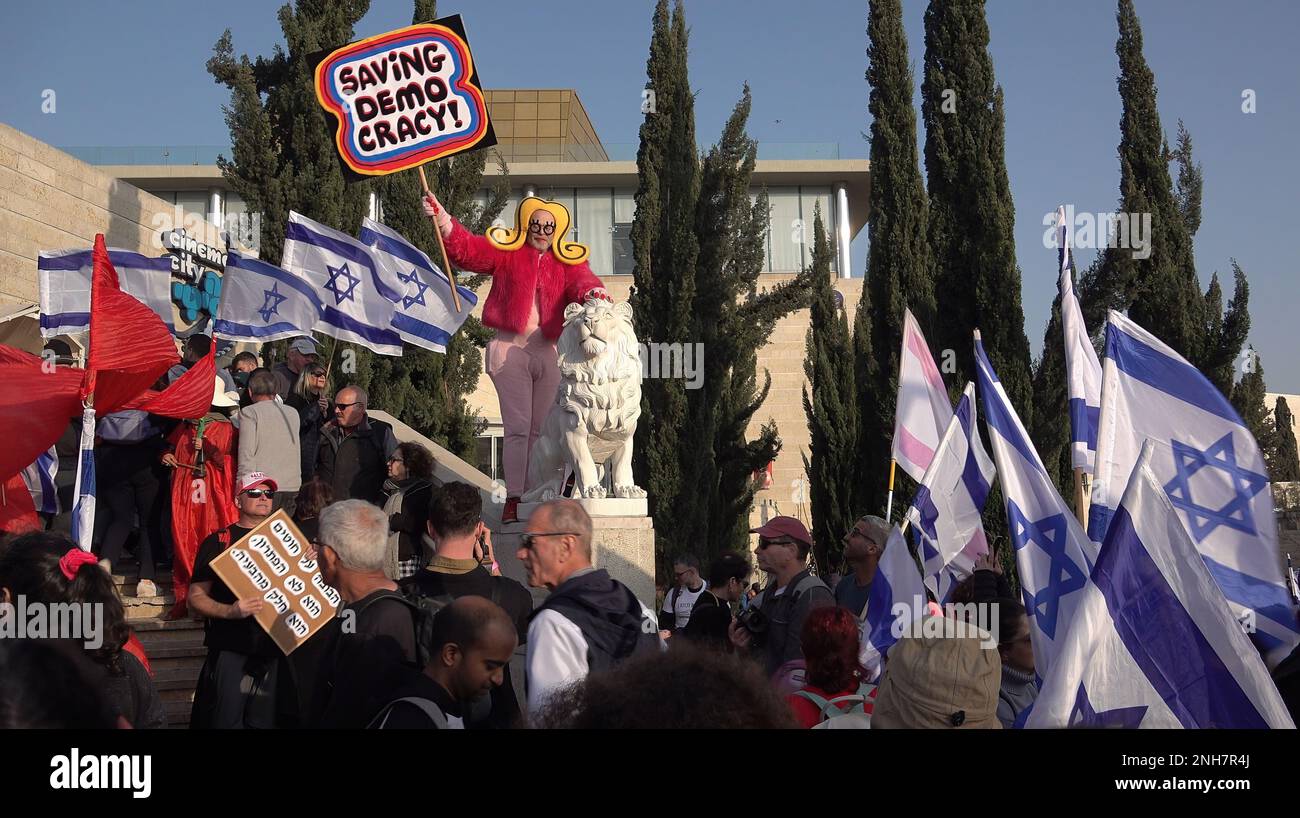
[[371, 646]]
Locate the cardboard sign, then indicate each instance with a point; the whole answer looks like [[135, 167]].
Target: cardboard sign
[[271, 562], [404, 98]]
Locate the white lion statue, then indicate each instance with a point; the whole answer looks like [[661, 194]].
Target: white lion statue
[[596, 406]]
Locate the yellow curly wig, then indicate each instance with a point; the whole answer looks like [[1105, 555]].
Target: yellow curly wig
[[505, 238]]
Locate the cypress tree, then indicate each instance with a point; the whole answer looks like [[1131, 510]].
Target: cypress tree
[[831, 410], [283, 158], [1162, 291], [1285, 467], [698, 247], [664, 254], [1248, 398], [1191, 182], [972, 218], [899, 268]]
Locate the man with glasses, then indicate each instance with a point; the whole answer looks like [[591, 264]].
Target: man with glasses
[[792, 592], [353, 452], [590, 622], [536, 273], [863, 546], [236, 688], [688, 587], [302, 352]]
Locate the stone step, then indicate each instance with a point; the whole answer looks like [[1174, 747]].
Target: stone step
[[178, 714], [147, 607]]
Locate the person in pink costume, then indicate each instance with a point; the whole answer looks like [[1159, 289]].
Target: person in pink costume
[[535, 273]]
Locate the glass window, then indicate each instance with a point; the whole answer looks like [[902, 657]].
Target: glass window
[[788, 230], [621, 235], [595, 223], [193, 202]]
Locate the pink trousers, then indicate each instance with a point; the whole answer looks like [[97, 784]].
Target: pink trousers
[[526, 376]]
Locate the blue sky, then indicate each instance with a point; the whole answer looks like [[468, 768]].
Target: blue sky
[[132, 74]]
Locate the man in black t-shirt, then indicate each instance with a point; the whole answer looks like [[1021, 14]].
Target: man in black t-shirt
[[470, 649], [463, 566], [236, 687]]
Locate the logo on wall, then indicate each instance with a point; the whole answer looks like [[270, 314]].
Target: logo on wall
[[404, 98], [199, 267]]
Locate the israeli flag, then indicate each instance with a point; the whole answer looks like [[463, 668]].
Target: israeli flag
[[424, 317], [1209, 465], [357, 301], [946, 510], [897, 599], [1082, 369], [65, 287], [39, 477], [83, 509], [1053, 554], [262, 302], [1153, 643]]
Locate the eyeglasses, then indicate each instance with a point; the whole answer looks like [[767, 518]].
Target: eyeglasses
[[259, 493], [764, 543], [318, 373], [537, 227], [396, 460], [341, 406], [526, 540]]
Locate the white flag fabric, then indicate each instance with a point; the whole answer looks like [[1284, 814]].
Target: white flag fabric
[[897, 599], [1053, 553], [947, 507], [83, 508], [357, 299], [424, 316], [1153, 643], [1208, 463], [65, 287], [39, 477], [1082, 369], [922, 411], [262, 302]]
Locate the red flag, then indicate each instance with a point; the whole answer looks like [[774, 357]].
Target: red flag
[[189, 396], [35, 407], [17, 513], [130, 347]]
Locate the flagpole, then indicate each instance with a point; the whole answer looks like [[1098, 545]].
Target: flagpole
[[446, 262], [889, 503]]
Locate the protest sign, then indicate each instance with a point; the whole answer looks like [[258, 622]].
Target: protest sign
[[271, 563], [404, 98]]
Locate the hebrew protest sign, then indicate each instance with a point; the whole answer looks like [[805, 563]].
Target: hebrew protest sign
[[404, 98], [271, 562]]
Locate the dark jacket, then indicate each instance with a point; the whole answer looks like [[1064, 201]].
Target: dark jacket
[[356, 466], [786, 614], [409, 520], [611, 618], [310, 421]]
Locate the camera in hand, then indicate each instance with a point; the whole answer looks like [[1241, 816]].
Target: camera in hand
[[753, 620]]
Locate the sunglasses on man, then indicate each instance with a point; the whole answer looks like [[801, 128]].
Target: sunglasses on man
[[526, 540], [259, 493]]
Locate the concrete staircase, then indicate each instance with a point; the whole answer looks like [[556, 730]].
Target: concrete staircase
[[175, 649]]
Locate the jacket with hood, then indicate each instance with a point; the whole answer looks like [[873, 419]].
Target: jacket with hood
[[589, 623]]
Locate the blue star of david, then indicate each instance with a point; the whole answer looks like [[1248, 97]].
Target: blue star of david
[[272, 303], [1083, 714], [1063, 574], [1235, 514], [418, 298], [340, 294]]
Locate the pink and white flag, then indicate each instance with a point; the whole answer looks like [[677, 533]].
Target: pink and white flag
[[922, 412]]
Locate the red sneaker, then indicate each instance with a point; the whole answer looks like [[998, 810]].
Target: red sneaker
[[510, 514]]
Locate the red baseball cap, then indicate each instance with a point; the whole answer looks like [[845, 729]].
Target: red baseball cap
[[784, 526]]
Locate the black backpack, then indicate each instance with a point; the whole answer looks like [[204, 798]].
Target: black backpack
[[427, 609]]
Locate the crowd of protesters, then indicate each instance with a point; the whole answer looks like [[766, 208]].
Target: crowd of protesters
[[433, 626]]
